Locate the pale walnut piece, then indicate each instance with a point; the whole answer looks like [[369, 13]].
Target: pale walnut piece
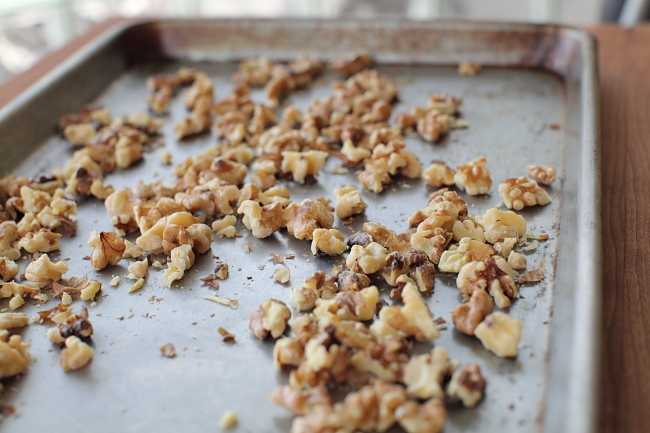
[[544, 174], [348, 202], [467, 384], [107, 249], [42, 270], [263, 221], [466, 317], [75, 355], [303, 219], [424, 375], [13, 320], [348, 305], [433, 125], [493, 275], [474, 177], [327, 243], [270, 317], [413, 318], [42, 241], [182, 258], [428, 417], [8, 269], [431, 242], [499, 334], [303, 164], [521, 192], [317, 286], [500, 225], [352, 63], [467, 250], [367, 260], [14, 355], [300, 402], [439, 174]]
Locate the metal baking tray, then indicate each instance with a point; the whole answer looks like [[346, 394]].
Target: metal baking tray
[[533, 76]]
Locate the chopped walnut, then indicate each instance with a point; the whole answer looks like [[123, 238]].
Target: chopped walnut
[[228, 420], [466, 251], [300, 402], [14, 354], [428, 417], [225, 222], [499, 334], [196, 123], [396, 265], [468, 69], [319, 285], [348, 202], [467, 385], [201, 237], [282, 275], [42, 241], [368, 259], [303, 164], [352, 63], [42, 270], [373, 180], [521, 192], [90, 290], [474, 177], [493, 275], [353, 153], [466, 317], [467, 228], [327, 242], [348, 305], [107, 249], [500, 225], [165, 157], [414, 318], [128, 151], [424, 375], [270, 317], [13, 320], [433, 125], [361, 238], [54, 335], [77, 324], [138, 269], [263, 221], [168, 350], [182, 258], [431, 242], [439, 174], [516, 260], [544, 174], [303, 219], [81, 134], [76, 354], [8, 269]]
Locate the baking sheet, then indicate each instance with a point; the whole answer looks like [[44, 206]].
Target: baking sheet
[[129, 386]]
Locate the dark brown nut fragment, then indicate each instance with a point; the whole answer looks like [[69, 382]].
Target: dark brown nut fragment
[[361, 238], [174, 236], [541, 173], [78, 325], [521, 192], [303, 219], [421, 270], [466, 317], [348, 280], [270, 317], [467, 384], [428, 417], [76, 354], [352, 63], [107, 249], [396, 265]]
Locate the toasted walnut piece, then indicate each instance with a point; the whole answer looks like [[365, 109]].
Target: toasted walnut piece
[[263, 221], [80, 134], [348, 305], [160, 99], [500, 225], [521, 192], [182, 258], [424, 375], [303, 219], [168, 350], [300, 402], [348, 202], [14, 355], [544, 174], [28, 223], [33, 200], [535, 275], [373, 180], [13, 320], [466, 317], [467, 228], [227, 221], [231, 172], [414, 318], [90, 290], [327, 243], [228, 420], [474, 177], [433, 125], [16, 302], [428, 417], [467, 385], [255, 72], [77, 324], [98, 190], [319, 285], [138, 269], [348, 280], [504, 247], [54, 335], [439, 174], [107, 249], [444, 103], [493, 275], [8, 269], [128, 151], [303, 164], [270, 317], [352, 63], [282, 275], [467, 250], [354, 154], [165, 157], [42, 270], [499, 334], [43, 241], [144, 122], [516, 260], [431, 242], [196, 123], [136, 286], [367, 260], [75, 355], [396, 265]]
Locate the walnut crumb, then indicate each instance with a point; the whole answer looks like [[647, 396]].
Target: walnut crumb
[[228, 420], [282, 275], [168, 350]]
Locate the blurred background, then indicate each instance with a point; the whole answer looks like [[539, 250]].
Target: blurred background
[[31, 28]]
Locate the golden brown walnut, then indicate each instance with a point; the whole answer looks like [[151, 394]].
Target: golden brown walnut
[[107, 249], [319, 285], [474, 177], [327, 242], [181, 259], [128, 151], [466, 317], [303, 219], [368, 259], [433, 125], [499, 334], [424, 375], [43, 241], [444, 103], [544, 174], [174, 236], [263, 221], [231, 172], [348, 305], [75, 355], [413, 318], [439, 174], [421, 270], [396, 265], [467, 384], [428, 417], [348, 202], [467, 250], [300, 402], [493, 275], [196, 123], [431, 242], [468, 69], [13, 320], [521, 192], [42, 270], [77, 324], [270, 317], [303, 164], [352, 63], [8, 269], [14, 355], [373, 180]]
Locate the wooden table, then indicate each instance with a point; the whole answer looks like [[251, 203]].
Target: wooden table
[[625, 98]]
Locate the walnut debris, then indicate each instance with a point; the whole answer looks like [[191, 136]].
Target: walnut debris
[[280, 258], [211, 280], [226, 336], [228, 420], [281, 275], [232, 303], [535, 275], [168, 350], [270, 317], [468, 69], [76, 354]]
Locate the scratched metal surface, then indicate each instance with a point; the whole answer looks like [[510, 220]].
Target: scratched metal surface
[[130, 387]]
